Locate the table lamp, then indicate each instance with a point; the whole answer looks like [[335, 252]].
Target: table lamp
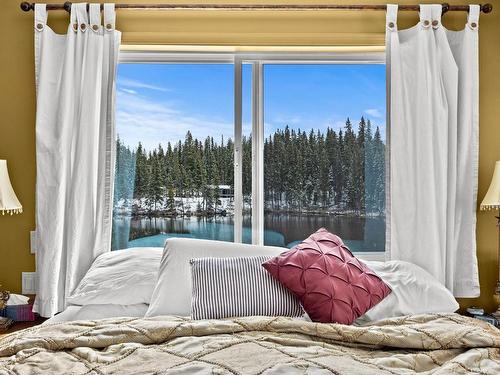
[[9, 204], [491, 201]]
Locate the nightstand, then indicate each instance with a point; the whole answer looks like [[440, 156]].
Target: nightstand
[[17, 326], [478, 313]]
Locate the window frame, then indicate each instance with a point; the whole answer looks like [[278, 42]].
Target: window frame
[[257, 60]]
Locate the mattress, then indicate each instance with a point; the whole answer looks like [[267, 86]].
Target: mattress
[[93, 312]]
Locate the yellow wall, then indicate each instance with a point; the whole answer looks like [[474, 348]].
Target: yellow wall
[[17, 97]]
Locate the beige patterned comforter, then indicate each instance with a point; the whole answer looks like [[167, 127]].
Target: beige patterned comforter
[[429, 344]]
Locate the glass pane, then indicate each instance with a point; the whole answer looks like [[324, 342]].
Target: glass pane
[[324, 153], [174, 169]]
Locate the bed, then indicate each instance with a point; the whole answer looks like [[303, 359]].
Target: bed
[[437, 344], [98, 311], [138, 322]]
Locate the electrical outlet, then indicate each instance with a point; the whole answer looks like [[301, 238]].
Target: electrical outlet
[[32, 242], [30, 281]]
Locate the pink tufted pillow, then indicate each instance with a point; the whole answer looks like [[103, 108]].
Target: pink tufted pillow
[[331, 283]]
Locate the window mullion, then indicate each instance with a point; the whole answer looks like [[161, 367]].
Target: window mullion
[[257, 154], [238, 161]]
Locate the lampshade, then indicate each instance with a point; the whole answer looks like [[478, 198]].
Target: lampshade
[[491, 200], [8, 200]]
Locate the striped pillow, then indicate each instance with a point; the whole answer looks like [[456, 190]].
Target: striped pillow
[[234, 287]]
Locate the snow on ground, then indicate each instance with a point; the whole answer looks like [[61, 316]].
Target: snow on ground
[[182, 204]]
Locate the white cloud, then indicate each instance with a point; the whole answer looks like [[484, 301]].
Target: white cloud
[[287, 120], [374, 112], [132, 83], [153, 122], [133, 92]]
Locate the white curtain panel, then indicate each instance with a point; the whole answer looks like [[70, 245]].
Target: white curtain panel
[[75, 132], [433, 79]]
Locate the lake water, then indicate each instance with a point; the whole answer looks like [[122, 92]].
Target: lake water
[[359, 233]]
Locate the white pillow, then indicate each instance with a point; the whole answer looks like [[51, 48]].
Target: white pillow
[[94, 312], [172, 294], [414, 291], [121, 277]]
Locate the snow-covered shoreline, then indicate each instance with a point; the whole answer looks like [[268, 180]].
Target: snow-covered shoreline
[[183, 206], [194, 206]]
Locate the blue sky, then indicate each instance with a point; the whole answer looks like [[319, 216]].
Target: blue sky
[[157, 103]]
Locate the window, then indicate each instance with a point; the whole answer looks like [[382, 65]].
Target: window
[[174, 164], [324, 158], [251, 148]]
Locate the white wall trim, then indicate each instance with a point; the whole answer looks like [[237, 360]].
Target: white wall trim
[[165, 57]]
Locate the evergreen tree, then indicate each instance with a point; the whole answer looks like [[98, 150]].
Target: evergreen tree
[[155, 186], [141, 173], [340, 172], [171, 200], [379, 172], [124, 173], [359, 168], [349, 168]]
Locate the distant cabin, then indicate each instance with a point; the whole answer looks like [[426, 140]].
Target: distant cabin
[[225, 191]]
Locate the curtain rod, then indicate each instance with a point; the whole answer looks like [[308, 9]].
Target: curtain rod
[[485, 8]]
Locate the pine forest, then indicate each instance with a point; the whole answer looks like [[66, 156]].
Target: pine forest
[[315, 172]]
